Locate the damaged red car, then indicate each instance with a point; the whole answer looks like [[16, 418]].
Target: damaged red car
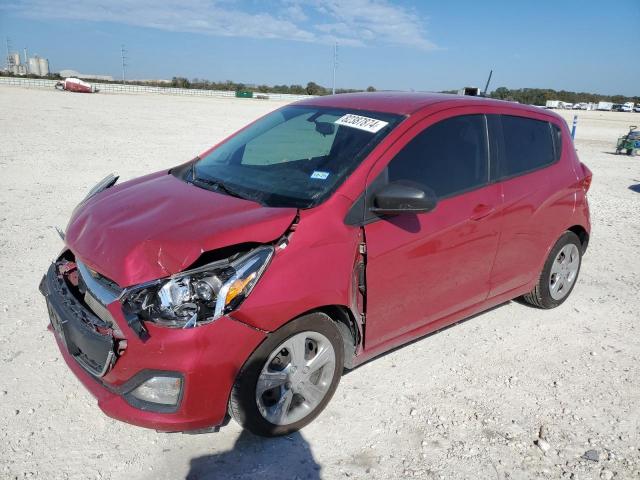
[[241, 284]]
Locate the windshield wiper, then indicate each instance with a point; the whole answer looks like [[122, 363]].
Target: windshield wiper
[[218, 186]]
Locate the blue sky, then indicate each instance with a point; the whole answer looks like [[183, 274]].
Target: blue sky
[[576, 45]]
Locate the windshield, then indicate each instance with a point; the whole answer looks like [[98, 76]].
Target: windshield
[[294, 157]]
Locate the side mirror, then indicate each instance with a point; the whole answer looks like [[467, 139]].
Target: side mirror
[[396, 198]]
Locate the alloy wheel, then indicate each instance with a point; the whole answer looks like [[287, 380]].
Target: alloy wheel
[[564, 271], [295, 378]]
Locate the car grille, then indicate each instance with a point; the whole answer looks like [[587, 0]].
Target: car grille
[[98, 292], [81, 332]]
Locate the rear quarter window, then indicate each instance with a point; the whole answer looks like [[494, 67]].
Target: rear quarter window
[[528, 145], [557, 141]]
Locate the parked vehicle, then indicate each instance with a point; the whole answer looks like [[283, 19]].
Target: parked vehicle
[[629, 143], [554, 104], [627, 107], [637, 108], [607, 106], [332, 230]]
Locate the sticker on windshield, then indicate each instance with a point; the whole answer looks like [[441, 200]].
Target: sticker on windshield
[[317, 174], [367, 124]]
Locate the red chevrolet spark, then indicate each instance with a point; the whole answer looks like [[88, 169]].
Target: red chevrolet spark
[[242, 283]]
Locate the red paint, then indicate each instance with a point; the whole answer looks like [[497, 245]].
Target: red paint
[[209, 357], [474, 251], [78, 86], [158, 225]]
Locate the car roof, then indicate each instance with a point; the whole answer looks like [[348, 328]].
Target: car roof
[[407, 103]]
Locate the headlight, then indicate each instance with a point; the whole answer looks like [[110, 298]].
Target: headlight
[[200, 295]]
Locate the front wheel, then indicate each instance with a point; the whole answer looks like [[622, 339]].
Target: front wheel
[[290, 378], [559, 274]]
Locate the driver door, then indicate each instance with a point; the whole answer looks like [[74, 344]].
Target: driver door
[[424, 267]]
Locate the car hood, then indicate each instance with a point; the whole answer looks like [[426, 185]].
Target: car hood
[[158, 225]]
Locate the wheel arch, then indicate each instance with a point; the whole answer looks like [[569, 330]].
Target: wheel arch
[[346, 323], [582, 234]]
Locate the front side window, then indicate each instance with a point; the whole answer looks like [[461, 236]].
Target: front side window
[[449, 157], [294, 157], [528, 145]]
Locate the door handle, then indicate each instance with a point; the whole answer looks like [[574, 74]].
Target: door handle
[[481, 211]]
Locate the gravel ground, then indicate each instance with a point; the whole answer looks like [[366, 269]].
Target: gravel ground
[[512, 393]]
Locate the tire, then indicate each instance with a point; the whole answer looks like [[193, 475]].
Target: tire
[[559, 274], [293, 394]]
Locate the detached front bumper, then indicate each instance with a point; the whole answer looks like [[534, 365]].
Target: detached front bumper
[[206, 358]]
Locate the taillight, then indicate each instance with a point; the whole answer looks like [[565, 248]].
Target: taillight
[[586, 179]]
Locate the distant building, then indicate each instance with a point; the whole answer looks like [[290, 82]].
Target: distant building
[[149, 80], [43, 63], [34, 65], [73, 73]]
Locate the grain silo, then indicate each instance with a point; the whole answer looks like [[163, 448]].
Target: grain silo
[[43, 64], [34, 66]]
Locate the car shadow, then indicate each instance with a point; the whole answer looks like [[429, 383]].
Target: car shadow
[[253, 457], [618, 154], [635, 187]]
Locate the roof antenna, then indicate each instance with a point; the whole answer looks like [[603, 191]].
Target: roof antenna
[[486, 87]]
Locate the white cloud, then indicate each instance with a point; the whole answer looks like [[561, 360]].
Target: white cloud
[[372, 21], [349, 22]]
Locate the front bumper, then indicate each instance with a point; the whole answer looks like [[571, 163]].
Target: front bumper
[[207, 358]]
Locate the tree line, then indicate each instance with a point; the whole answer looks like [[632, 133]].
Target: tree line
[[531, 96], [312, 88], [539, 96]]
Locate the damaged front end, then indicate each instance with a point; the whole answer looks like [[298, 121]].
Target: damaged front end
[[152, 377], [78, 300], [81, 320], [200, 295]]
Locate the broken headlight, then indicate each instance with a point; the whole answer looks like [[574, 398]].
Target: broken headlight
[[200, 295]]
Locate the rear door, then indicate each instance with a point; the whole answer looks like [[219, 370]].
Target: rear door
[[527, 151], [421, 268]]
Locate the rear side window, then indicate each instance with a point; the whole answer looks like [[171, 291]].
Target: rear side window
[[449, 157], [528, 145]]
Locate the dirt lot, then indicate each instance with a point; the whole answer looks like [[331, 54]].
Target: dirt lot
[[469, 402]]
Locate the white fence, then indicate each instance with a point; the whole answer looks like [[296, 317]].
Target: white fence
[[120, 88]]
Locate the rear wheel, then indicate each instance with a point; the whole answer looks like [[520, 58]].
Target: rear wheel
[[559, 274], [290, 378]]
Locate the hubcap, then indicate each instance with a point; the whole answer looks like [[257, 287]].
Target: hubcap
[[295, 378], [564, 271]]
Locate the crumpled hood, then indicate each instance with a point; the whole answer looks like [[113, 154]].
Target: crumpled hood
[[158, 225]]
